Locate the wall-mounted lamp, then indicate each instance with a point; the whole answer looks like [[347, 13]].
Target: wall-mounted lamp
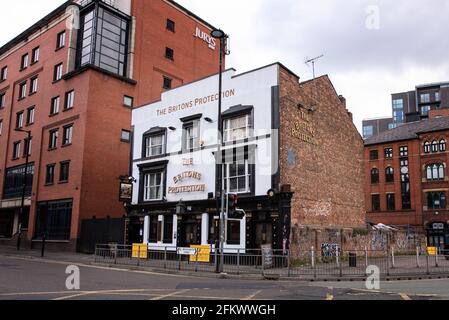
[[172, 128], [207, 119]]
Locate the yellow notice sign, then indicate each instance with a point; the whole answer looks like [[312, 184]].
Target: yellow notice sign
[[140, 251], [204, 253], [432, 251]]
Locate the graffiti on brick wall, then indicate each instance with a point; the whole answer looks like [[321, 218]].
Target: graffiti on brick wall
[[322, 208], [378, 241], [329, 249]]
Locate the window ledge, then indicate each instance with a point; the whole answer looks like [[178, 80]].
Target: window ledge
[[66, 145], [20, 99], [49, 184], [33, 63], [52, 149], [32, 94], [53, 114], [59, 48], [67, 109], [23, 69], [63, 182], [56, 81]]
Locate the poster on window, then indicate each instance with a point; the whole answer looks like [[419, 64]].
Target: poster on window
[[126, 192]]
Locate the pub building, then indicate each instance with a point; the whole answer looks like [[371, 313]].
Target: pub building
[[276, 139]]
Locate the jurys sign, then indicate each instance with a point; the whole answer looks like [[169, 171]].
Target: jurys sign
[[206, 37]]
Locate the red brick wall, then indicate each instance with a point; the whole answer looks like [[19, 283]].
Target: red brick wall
[[193, 59], [328, 175], [418, 216], [97, 156]]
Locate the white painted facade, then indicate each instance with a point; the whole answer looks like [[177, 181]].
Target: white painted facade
[[249, 89]]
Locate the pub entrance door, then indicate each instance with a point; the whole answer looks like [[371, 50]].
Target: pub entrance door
[[261, 229], [190, 231]]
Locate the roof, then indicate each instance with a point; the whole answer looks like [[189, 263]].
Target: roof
[[410, 131], [35, 27]]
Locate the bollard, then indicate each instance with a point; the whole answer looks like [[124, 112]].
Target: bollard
[[427, 263], [417, 257], [43, 245], [263, 264], [179, 262], [115, 254], [288, 264], [216, 259], [138, 256], [366, 257], [165, 257], [340, 265], [314, 263], [387, 258], [392, 258], [436, 258], [196, 261], [238, 261]]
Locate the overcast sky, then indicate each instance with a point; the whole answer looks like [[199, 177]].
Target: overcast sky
[[371, 48]]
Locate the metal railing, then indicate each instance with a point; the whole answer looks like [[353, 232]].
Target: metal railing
[[307, 265]]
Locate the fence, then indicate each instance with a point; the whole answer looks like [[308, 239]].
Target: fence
[[310, 265]]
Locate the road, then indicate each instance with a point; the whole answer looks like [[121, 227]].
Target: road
[[34, 279]]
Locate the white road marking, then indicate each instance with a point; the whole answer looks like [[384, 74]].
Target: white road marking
[[171, 294], [405, 297], [252, 296]]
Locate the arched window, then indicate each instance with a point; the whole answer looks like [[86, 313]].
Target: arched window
[[389, 174], [374, 176], [427, 147], [442, 145], [435, 146], [435, 171]]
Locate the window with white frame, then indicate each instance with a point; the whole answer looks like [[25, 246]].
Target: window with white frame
[[435, 171], [54, 109], [152, 186], [69, 100], [16, 150], [22, 90], [35, 55], [237, 128], [237, 176], [34, 85], [154, 145], [2, 100], [67, 135], [30, 115], [57, 74]]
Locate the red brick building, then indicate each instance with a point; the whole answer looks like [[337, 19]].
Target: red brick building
[[407, 180], [72, 80]]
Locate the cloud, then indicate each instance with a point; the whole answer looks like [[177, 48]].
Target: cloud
[[366, 65]]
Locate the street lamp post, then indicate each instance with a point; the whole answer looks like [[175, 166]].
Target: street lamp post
[[221, 36], [25, 176]]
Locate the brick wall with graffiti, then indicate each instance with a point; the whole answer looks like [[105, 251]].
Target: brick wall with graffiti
[[326, 242]]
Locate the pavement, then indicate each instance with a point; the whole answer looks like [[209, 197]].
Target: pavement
[[26, 276]]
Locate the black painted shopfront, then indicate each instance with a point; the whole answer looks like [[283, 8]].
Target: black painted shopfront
[[267, 222], [438, 235]]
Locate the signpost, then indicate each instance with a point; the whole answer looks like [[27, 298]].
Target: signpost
[[186, 251]]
